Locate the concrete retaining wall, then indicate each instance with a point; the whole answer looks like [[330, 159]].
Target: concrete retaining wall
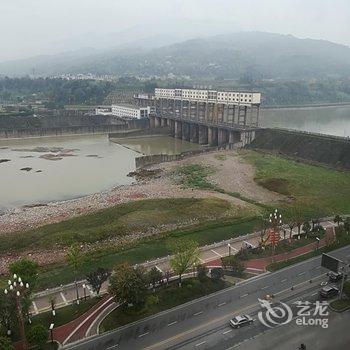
[[162, 158], [329, 150], [140, 132], [90, 128]]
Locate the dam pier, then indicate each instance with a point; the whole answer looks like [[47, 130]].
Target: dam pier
[[206, 117]]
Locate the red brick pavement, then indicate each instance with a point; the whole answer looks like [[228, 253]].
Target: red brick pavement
[[262, 263]]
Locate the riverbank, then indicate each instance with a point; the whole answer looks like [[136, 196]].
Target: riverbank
[[163, 185]]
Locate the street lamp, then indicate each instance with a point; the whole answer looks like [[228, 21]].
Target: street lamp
[[18, 289], [84, 287], [51, 332], [275, 220], [318, 243], [229, 249]]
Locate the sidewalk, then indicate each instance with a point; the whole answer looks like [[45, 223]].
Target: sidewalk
[[210, 256]]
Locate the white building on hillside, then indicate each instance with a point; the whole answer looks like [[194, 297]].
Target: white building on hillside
[[129, 111]]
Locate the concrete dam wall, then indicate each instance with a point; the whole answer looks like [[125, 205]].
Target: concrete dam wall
[[68, 125], [329, 150]]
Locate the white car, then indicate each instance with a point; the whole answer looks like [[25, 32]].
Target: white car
[[240, 320]]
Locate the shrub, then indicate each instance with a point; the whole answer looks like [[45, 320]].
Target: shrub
[[346, 289], [232, 263], [217, 273], [202, 271], [38, 335], [5, 344], [152, 300]]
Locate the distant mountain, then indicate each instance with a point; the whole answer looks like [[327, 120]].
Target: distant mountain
[[237, 55]]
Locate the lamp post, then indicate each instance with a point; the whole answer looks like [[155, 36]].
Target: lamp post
[[317, 243], [51, 333], [18, 289], [84, 287], [275, 221], [229, 249]]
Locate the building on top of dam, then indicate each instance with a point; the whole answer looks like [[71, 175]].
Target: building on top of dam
[[224, 97], [130, 111]]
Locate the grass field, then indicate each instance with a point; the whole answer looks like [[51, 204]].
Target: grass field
[[118, 221], [317, 189], [147, 249]]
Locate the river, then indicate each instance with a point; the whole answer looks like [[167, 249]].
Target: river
[[331, 120], [61, 168]]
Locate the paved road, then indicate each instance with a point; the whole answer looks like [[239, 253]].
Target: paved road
[[66, 294], [201, 323], [289, 337]]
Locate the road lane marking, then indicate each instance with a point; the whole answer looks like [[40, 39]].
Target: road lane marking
[[112, 347], [35, 307], [159, 269], [244, 295], [64, 298], [314, 294], [201, 343], [143, 334], [215, 320], [212, 250], [284, 280], [198, 313], [265, 287], [221, 304], [301, 273], [318, 267], [170, 324], [230, 330]]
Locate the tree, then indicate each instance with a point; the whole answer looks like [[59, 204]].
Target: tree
[[96, 278], [338, 219], [296, 215], [216, 273], [202, 271], [185, 256], [7, 316], [128, 284], [233, 264], [291, 225], [75, 259], [6, 344], [154, 277], [27, 269], [38, 335], [347, 224], [306, 228]]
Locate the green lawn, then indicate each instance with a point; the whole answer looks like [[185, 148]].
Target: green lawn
[[65, 314], [118, 221], [148, 249], [316, 189], [168, 297]]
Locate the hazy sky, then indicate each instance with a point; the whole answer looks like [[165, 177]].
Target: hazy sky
[[29, 27]]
